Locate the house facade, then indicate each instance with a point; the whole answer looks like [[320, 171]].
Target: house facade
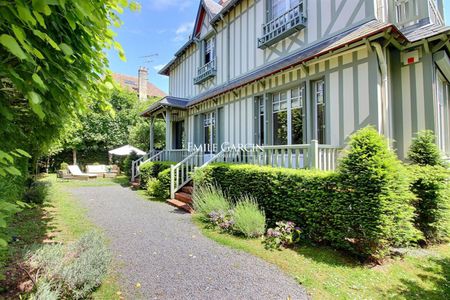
[[281, 73]]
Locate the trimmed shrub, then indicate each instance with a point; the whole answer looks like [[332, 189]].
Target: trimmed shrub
[[248, 219], [151, 169], [159, 187], [377, 211], [431, 186], [424, 151], [74, 270], [209, 199], [64, 166]]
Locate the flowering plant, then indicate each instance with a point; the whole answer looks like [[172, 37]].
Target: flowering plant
[[285, 234], [221, 219]]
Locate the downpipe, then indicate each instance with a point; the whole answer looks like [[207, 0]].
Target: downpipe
[[382, 63]]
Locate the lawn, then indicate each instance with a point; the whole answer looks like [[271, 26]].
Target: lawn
[[328, 274], [60, 219]]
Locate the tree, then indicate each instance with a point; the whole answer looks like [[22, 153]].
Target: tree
[[424, 151], [52, 67], [96, 132]]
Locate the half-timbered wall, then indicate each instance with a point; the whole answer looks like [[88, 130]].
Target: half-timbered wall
[[351, 95], [237, 34], [413, 99]]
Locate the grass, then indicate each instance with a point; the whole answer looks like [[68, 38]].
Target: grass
[[60, 219], [328, 274]]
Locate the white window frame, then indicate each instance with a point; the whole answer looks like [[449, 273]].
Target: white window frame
[[288, 106], [316, 93], [288, 4]]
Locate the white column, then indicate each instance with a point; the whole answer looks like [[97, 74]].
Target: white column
[[152, 133], [168, 130]]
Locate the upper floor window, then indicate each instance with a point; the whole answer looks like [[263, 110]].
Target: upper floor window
[[278, 7], [207, 68], [208, 50]]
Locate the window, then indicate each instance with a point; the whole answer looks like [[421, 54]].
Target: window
[[209, 127], [279, 7], [319, 102], [207, 68], [280, 118], [298, 114], [261, 119], [288, 116], [208, 50]]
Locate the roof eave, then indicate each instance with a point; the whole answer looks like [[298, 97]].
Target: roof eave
[[387, 27]]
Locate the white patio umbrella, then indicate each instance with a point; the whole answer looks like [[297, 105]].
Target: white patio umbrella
[[126, 150]]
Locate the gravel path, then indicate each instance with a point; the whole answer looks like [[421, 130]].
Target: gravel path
[[160, 248]]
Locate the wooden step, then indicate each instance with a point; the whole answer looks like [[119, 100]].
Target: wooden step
[[183, 197], [187, 189], [180, 205], [135, 185]]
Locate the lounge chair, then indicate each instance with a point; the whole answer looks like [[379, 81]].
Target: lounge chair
[[103, 170], [76, 172]]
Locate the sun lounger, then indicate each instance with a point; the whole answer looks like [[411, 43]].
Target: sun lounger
[[76, 172]]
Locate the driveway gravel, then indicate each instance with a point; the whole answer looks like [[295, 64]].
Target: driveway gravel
[[161, 254]]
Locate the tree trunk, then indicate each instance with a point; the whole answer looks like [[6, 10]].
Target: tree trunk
[[74, 155]]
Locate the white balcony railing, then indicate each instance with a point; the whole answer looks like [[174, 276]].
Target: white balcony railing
[[283, 26], [205, 72]]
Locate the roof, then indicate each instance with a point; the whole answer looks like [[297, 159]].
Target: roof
[[368, 29], [130, 83], [213, 9], [167, 101], [417, 33]]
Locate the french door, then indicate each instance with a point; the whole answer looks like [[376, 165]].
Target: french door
[[209, 134]]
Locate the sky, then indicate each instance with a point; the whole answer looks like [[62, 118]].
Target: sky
[[161, 28]]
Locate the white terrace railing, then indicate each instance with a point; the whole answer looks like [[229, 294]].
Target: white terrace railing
[[180, 174], [174, 155], [305, 156]]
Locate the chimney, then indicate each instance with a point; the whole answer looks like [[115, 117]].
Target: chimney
[[142, 83]]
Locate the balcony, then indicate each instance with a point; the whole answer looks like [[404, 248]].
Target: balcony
[[281, 27], [206, 72]]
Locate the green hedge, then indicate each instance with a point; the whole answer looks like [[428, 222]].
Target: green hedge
[[365, 207], [159, 187], [432, 189], [151, 169]]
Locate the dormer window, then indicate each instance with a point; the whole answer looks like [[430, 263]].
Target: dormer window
[[284, 17], [207, 69]]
